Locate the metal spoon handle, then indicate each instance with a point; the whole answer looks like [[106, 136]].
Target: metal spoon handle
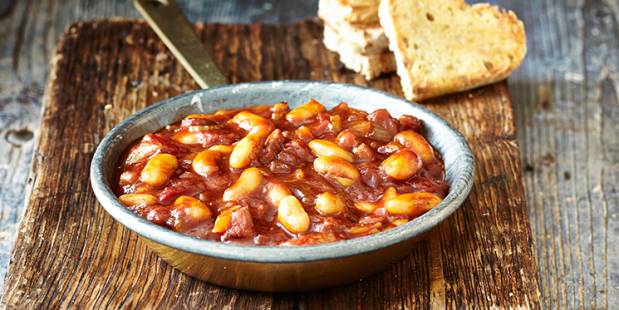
[[168, 21]]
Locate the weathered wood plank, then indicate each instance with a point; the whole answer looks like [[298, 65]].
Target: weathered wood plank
[[106, 70], [565, 98], [29, 30], [546, 92]]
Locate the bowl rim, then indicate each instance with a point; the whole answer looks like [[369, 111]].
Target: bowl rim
[[459, 190]]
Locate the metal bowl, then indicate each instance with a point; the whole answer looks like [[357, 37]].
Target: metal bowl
[[278, 269]]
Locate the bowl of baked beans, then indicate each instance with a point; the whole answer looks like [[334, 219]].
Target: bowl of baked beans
[[282, 186]]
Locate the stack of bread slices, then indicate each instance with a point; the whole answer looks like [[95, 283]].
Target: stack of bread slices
[[352, 29], [437, 46]]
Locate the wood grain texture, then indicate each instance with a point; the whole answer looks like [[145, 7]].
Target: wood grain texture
[[70, 253], [564, 96], [567, 111], [29, 30]]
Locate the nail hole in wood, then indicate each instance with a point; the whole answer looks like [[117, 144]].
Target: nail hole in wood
[[19, 137]]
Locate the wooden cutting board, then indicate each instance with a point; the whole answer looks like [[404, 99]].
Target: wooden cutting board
[[70, 253]]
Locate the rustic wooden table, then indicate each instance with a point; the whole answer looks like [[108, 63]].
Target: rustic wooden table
[[565, 96]]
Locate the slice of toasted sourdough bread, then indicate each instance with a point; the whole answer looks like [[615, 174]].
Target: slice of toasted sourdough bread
[[445, 46], [360, 12], [370, 65]]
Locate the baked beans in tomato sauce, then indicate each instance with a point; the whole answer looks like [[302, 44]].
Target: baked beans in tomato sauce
[[269, 175]]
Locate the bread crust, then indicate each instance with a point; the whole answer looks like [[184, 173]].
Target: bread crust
[[489, 61], [359, 3]]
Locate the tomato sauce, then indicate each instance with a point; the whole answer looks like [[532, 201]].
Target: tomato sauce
[[269, 175]]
